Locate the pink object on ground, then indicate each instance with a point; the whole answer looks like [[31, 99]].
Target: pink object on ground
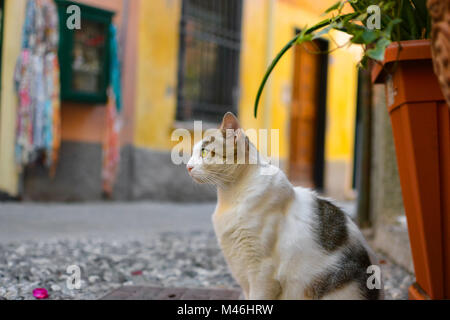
[[40, 293]]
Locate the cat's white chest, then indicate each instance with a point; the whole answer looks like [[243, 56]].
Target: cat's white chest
[[240, 243]]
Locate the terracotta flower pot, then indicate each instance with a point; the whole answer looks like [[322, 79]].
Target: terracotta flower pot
[[421, 126]]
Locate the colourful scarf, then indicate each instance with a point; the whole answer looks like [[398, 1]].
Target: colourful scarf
[[37, 86], [111, 145]]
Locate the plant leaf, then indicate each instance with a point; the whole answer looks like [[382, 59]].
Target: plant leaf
[[321, 32], [408, 16], [361, 17], [335, 6], [421, 9], [363, 63], [421, 14], [388, 30], [366, 36], [377, 53]]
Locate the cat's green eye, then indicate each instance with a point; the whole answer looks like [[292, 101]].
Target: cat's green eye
[[204, 153]]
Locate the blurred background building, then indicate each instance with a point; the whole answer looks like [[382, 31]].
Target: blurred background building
[[183, 61], [186, 60]]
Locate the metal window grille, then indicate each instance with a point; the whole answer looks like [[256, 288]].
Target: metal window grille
[[210, 41]]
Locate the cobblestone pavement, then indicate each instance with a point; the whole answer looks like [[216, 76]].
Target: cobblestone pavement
[[183, 257], [172, 259]]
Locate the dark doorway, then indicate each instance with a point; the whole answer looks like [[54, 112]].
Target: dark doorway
[[308, 114]]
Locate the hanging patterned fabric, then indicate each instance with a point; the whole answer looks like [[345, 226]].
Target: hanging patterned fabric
[[111, 145], [37, 85]]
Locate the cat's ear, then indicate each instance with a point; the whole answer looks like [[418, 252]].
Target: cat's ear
[[240, 138], [229, 122], [240, 135]]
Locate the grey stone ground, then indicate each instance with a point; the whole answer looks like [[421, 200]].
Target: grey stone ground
[[118, 244]]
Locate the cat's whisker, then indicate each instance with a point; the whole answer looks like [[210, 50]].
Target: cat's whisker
[[221, 177]]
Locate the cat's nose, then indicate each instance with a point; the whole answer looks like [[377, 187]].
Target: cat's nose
[[189, 168]]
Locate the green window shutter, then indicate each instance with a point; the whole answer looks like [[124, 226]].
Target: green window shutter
[[84, 54]]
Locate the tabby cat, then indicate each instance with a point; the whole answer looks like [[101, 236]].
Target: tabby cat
[[280, 241]]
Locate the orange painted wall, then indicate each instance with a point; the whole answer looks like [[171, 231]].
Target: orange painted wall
[[86, 122]]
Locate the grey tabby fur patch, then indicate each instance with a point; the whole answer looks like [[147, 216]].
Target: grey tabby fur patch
[[351, 267], [330, 228]]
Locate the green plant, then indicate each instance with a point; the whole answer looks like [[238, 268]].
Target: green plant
[[399, 20]]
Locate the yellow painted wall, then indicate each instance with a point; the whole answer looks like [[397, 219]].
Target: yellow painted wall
[[253, 60], [158, 63], [156, 76], [342, 93], [287, 17], [157, 72], [157, 68], [13, 19], [342, 76]]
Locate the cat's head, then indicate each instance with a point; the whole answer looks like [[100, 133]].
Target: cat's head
[[221, 155]]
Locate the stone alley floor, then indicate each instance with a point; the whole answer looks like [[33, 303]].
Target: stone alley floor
[[120, 244]]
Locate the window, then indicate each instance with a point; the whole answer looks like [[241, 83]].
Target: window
[[87, 53], [84, 54], [210, 39]]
